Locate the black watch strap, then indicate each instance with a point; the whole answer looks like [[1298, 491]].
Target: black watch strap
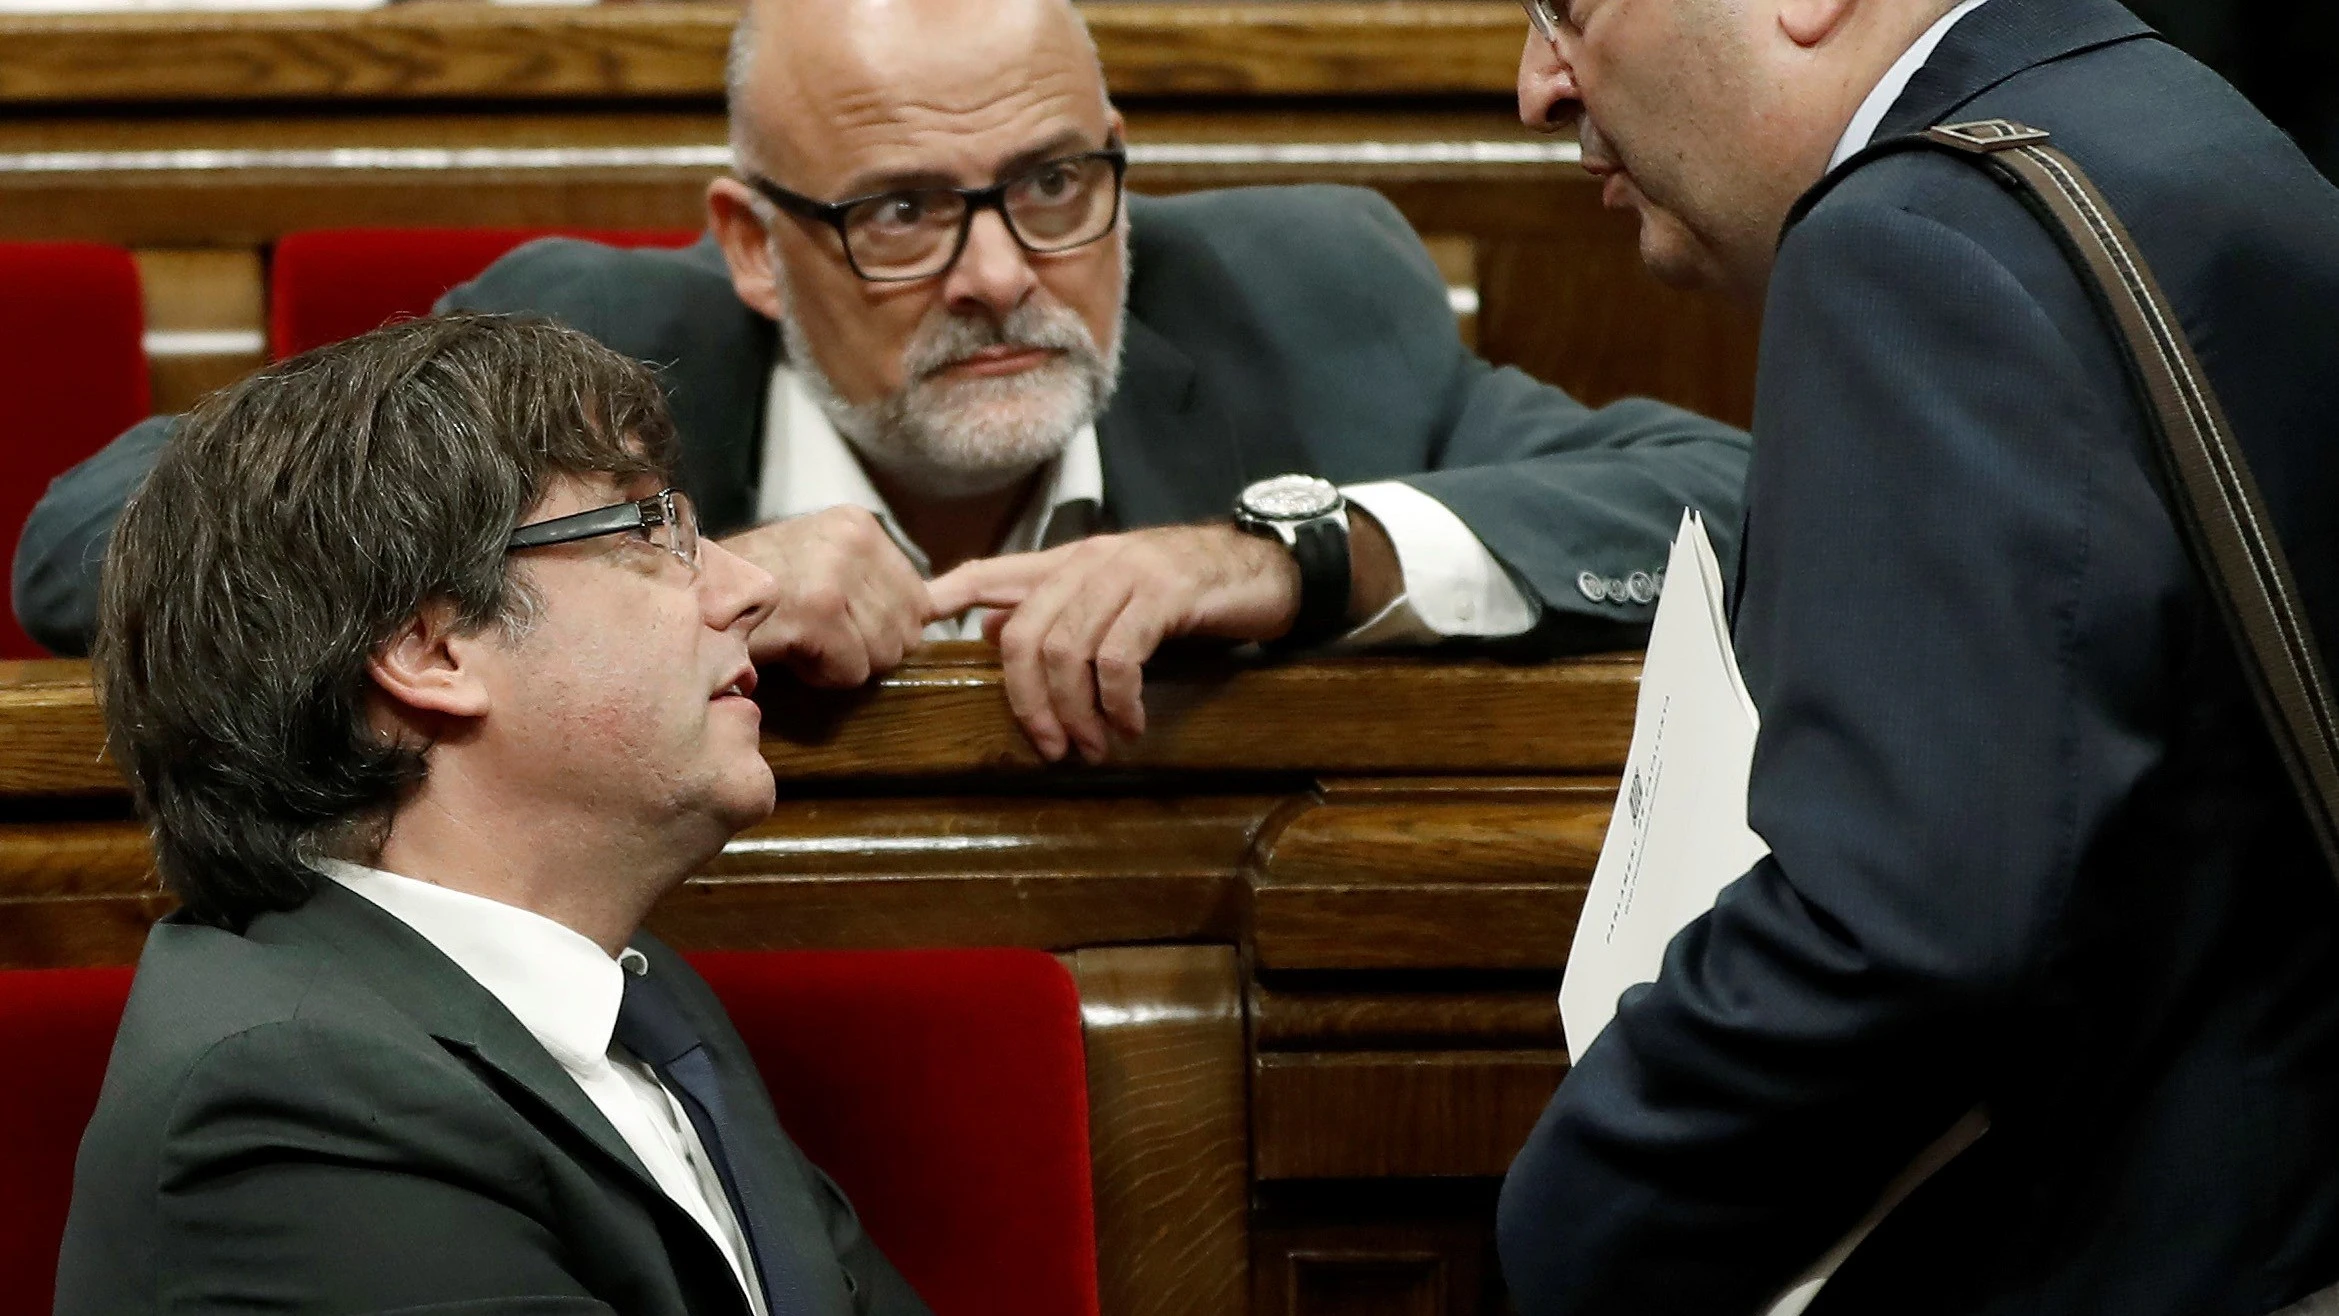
[[1320, 547]]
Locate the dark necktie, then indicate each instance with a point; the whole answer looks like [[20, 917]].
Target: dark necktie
[[653, 1028]]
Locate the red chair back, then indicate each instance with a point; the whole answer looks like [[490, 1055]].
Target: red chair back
[[58, 1025], [946, 1091], [331, 284], [72, 374]]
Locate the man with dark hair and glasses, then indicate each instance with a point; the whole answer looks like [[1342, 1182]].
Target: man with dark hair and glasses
[[939, 374], [429, 689]]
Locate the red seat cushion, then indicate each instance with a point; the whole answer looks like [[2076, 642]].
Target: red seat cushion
[[947, 1092], [58, 1027], [332, 284], [72, 374]]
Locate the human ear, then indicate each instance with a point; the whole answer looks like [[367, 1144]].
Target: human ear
[[426, 670], [747, 248], [1810, 22]]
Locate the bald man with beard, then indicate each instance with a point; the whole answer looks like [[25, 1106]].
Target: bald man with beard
[[935, 372]]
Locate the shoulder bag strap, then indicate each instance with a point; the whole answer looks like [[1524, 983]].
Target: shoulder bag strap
[[2216, 500]]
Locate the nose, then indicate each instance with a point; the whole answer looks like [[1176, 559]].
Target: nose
[[1549, 100], [734, 592], [994, 271]]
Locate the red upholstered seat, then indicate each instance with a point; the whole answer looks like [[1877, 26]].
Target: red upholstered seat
[[72, 374], [58, 1026], [945, 1090], [331, 284]]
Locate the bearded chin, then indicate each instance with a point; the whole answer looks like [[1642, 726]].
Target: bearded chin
[[943, 438]]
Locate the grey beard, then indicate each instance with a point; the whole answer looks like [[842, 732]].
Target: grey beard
[[962, 439]]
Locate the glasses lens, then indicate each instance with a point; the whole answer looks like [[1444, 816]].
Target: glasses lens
[[1544, 17], [679, 535], [1064, 203], [904, 235]]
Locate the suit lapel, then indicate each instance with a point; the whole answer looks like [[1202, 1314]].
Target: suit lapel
[[1168, 452], [414, 978]]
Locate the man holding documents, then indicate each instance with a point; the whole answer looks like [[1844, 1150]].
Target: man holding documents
[[2030, 851]]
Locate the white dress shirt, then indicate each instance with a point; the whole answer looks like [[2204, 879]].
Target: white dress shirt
[[1453, 585], [1861, 132], [565, 991]]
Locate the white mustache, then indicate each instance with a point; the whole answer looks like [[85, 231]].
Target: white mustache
[[954, 338]]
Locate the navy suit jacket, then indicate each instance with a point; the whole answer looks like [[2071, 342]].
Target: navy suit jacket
[[2031, 848]]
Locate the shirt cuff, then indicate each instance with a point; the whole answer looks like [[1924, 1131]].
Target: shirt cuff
[[1454, 587]]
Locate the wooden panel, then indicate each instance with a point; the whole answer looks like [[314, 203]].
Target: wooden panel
[[1396, 1114], [1576, 314], [198, 300], [1052, 874], [73, 932], [53, 742], [1476, 1018], [1375, 1249], [454, 51], [1477, 875], [1395, 47], [1344, 1281], [404, 52], [228, 179], [54, 860], [1165, 1076], [947, 714]]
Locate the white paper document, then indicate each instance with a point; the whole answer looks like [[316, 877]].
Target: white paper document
[[1679, 832], [1679, 835]]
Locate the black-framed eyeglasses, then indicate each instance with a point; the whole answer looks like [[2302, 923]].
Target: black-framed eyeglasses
[[918, 233], [1547, 17], [665, 518]]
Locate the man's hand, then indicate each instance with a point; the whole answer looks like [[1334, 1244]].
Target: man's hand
[[850, 602], [1080, 621]]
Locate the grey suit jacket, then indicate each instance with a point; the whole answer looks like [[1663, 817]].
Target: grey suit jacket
[[1268, 330], [326, 1115]]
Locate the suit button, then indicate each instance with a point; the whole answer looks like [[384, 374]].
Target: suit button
[[1593, 587], [1642, 587], [1618, 591]]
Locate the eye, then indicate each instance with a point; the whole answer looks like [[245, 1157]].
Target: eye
[[903, 210], [1053, 182]]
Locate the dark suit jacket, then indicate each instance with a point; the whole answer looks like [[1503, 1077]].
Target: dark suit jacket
[[2031, 847], [1269, 330], [326, 1115]]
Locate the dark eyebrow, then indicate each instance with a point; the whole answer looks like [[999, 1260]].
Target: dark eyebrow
[[1071, 141]]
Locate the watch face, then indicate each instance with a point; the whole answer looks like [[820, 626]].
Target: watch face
[[1291, 498]]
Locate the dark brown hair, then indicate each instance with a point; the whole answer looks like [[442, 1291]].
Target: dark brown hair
[[291, 525]]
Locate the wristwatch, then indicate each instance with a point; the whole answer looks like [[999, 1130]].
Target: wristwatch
[[1308, 516]]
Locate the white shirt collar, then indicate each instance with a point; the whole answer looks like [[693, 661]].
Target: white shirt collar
[[1870, 115], [561, 987], [808, 466]]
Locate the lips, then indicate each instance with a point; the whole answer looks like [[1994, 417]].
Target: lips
[[1004, 359], [741, 685]]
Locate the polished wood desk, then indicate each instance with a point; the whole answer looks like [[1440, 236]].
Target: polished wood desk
[[1317, 917], [197, 139]]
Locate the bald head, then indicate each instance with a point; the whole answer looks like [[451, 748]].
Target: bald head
[[800, 69]]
